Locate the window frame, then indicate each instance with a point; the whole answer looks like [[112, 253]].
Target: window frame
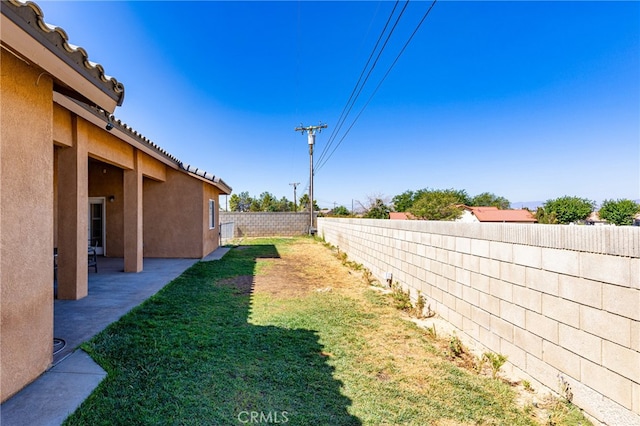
[[212, 213]]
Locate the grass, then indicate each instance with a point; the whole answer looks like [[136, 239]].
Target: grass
[[238, 337]]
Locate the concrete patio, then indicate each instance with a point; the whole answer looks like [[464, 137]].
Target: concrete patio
[[73, 374]]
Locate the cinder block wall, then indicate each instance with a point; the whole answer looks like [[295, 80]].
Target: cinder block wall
[[267, 224], [560, 301]]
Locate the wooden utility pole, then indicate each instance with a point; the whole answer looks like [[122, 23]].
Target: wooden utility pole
[[295, 204], [311, 138]]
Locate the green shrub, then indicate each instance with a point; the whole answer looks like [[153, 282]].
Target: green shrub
[[455, 346], [496, 361], [401, 298]]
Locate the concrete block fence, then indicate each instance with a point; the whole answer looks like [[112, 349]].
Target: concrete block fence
[[267, 224], [559, 301]]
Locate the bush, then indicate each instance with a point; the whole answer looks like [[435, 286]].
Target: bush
[[619, 212], [401, 298], [569, 209], [496, 361]]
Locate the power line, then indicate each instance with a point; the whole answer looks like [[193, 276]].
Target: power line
[[347, 107], [324, 161], [359, 90]]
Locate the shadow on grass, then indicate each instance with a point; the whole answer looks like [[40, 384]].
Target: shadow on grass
[[189, 356]]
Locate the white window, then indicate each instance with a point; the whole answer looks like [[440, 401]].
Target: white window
[[212, 214]]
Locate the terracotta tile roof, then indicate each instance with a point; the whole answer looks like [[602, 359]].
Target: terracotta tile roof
[[29, 17], [400, 216], [493, 214]]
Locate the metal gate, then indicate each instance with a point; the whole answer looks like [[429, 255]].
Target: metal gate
[[226, 232]]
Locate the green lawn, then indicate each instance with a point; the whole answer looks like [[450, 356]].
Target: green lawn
[[236, 341]]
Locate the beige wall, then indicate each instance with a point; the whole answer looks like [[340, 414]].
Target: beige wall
[[62, 126], [557, 300], [106, 147], [152, 168], [26, 224], [175, 217]]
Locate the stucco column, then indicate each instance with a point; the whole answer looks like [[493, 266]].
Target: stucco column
[[73, 204], [133, 217]]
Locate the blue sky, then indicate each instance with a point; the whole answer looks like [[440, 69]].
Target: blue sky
[[528, 100]]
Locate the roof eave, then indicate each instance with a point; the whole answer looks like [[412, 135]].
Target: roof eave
[[24, 32], [207, 177]]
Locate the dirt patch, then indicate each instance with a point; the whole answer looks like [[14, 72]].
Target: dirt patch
[[308, 268], [242, 284]]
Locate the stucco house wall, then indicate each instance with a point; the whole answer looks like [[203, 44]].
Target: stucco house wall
[[56, 153], [172, 217], [467, 217], [26, 223], [210, 235]]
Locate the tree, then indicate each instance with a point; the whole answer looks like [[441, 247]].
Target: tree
[[303, 203], [403, 202], [439, 204], [284, 205], [461, 195], [373, 203], [543, 217], [569, 209], [619, 212], [340, 211], [240, 202], [255, 205], [490, 199], [267, 202], [378, 210]]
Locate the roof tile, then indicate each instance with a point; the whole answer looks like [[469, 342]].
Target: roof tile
[[30, 18], [493, 214]]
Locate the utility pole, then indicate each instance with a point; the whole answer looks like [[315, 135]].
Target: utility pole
[[295, 204], [311, 138]]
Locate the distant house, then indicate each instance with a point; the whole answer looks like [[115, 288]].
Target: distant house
[[594, 219], [493, 214]]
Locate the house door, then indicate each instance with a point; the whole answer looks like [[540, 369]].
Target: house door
[[96, 223]]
